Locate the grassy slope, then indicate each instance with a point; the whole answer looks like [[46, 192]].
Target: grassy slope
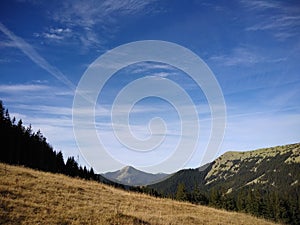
[[33, 197], [226, 161]]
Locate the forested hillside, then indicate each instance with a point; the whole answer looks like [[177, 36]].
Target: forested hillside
[[20, 145], [263, 182]]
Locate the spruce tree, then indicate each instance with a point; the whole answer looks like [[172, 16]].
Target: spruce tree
[[181, 194]]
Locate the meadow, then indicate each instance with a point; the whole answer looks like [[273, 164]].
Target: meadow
[[32, 197]]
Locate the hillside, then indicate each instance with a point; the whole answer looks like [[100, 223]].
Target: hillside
[[131, 176], [30, 197], [277, 167], [263, 182], [25, 147], [189, 177]]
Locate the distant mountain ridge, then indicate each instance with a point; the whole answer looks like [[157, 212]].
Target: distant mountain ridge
[[131, 176]]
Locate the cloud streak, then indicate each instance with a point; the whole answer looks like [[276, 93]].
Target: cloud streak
[[56, 34], [261, 4], [17, 88], [90, 17], [238, 56], [89, 13], [284, 23], [244, 56], [28, 50]]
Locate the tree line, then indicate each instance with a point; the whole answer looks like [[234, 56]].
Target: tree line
[[283, 207], [21, 146], [275, 197]]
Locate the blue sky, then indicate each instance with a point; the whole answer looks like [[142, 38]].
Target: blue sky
[[252, 47]]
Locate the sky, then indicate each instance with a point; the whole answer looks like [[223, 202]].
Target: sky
[[251, 46]]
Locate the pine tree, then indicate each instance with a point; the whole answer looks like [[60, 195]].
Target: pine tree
[[197, 197], [215, 197], [60, 165], [181, 194], [72, 168], [1, 111]]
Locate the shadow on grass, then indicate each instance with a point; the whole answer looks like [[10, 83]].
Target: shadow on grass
[[122, 219]]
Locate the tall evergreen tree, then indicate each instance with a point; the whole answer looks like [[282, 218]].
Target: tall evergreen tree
[[181, 193]]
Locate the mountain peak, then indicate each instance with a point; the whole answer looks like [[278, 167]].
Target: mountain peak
[[128, 169], [131, 176]]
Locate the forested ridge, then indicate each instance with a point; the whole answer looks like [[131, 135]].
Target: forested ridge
[[20, 145], [264, 183]]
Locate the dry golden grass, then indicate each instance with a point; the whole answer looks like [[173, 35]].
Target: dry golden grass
[[32, 197]]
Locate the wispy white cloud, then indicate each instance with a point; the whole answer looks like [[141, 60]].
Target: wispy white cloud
[[7, 43], [53, 36], [89, 13], [60, 30], [47, 109], [244, 56], [56, 34], [17, 88], [284, 23], [90, 17], [280, 23], [160, 75], [28, 50], [34, 94], [150, 66], [238, 56], [261, 4]]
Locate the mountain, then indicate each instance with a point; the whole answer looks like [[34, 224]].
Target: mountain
[[264, 182], [189, 177], [275, 168], [131, 176]]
